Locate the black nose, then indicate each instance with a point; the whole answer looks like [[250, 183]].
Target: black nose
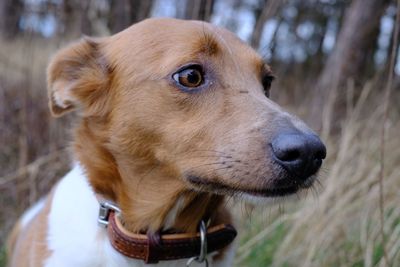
[[300, 154]]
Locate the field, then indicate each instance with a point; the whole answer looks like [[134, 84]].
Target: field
[[340, 222]]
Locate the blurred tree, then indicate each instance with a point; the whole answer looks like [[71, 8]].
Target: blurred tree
[[319, 17], [123, 13], [265, 10], [75, 19], [390, 48], [356, 38], [199, 9], [10, 14]]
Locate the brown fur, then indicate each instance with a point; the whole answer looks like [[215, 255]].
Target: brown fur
[[147, 144], [131, 140], [28, 246]]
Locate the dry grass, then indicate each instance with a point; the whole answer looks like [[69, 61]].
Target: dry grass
[[32, 154], [341, 226], [338, 227]]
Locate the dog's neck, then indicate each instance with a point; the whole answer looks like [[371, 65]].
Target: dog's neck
[[153, 201], [150, 196]]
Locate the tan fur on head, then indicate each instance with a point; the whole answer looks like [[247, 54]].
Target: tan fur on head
[[144, 142]]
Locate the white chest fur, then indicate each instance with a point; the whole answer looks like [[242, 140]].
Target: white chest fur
[[75, 238]]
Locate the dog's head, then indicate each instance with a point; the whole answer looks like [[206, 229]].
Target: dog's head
[[187, 102]]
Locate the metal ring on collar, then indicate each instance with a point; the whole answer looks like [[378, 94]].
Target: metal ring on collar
[[202, 258]]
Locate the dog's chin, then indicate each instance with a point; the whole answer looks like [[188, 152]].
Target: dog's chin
[[256, 195]]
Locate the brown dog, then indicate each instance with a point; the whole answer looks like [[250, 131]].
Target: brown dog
[[173, 117]]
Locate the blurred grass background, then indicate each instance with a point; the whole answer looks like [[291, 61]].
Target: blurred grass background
[[332, 62]]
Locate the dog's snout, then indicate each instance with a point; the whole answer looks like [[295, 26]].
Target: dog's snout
[[300, 154]]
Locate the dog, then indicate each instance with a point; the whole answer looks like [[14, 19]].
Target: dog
[[174, 117]]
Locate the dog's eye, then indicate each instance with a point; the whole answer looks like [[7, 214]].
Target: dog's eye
[[190, 77], [266, 82]]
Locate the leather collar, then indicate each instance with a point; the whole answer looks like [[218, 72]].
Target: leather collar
[[155, 247]]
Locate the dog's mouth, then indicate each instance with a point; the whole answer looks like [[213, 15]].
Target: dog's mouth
[[217, 187]]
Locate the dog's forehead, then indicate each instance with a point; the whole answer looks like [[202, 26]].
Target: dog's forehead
[[187, 39]]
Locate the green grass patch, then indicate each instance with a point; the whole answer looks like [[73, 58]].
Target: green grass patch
[[263, 254], [3, 259], [378, 253]]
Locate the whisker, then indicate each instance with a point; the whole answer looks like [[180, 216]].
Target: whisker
[[214, 156], [208, 150], [314, 192], [318, 183], [214, 163]]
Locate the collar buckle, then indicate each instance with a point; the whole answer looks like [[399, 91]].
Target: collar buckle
[[202, 258], [104, 212]]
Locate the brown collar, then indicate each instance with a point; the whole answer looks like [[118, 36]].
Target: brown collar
[[160, 247]]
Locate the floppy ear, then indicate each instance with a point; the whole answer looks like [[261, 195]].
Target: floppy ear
[[78, 77]]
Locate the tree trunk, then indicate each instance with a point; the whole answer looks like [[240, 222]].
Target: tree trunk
[[10, 14], [75, 18], [345, 63], [199, 9], [390, 48], [140, 10], [268, 10], [124, 13], [119, 15]]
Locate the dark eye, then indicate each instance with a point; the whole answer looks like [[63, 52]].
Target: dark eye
[[266, 82], [190, 77]]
